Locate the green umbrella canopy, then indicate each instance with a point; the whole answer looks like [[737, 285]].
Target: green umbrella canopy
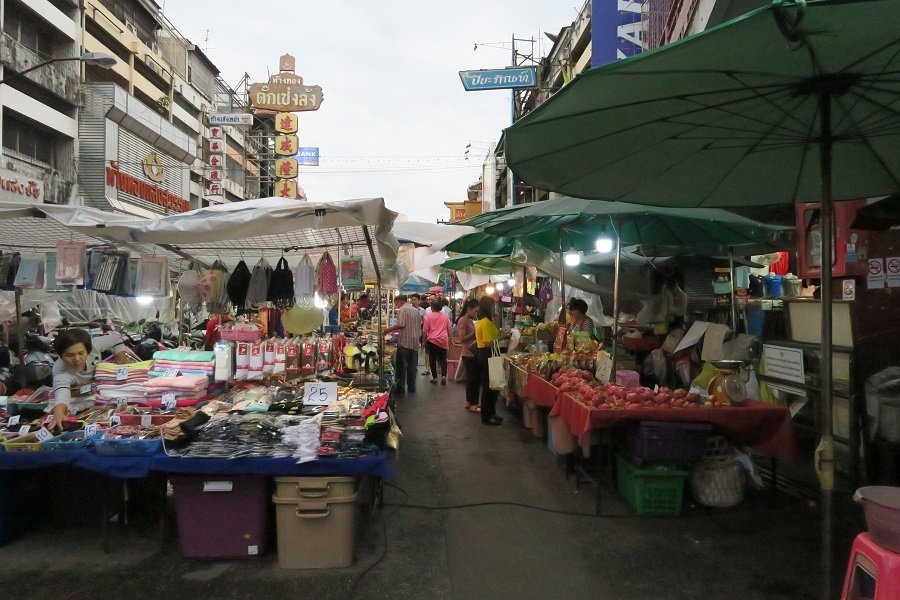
[[575, 223], [731, 116], [492, 263]]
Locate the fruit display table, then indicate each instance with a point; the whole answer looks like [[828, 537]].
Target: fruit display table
[[540, 391], [765, 428]]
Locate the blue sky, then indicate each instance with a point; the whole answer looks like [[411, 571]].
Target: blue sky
[[395, 120]]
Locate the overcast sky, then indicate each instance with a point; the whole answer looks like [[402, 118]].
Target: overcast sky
[[395, 120]]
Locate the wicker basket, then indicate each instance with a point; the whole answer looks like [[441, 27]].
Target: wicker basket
[[719, 484]]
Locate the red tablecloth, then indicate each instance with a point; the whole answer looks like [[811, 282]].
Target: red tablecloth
[[540, 391], [765, 428]]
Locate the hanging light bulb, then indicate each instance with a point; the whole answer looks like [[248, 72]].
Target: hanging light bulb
[[572, 258], [500, 285], [511, 282], [489, 290], [458, 295], [604, 245]]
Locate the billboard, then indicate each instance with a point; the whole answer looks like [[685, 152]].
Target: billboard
[[616, 30]]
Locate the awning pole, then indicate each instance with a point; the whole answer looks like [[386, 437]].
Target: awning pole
[[20, 335], [562, 281], [381, 309], [824, 458], [615, 326]]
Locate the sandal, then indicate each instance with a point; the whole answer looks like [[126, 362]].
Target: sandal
[[473, 409]]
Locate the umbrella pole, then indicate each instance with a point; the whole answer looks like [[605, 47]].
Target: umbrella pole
[[734, 321], [562, 282], [615, 326], [824, 457]]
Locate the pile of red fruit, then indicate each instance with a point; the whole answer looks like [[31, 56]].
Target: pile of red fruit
[[582, 385]]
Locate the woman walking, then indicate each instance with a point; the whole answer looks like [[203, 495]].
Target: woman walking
[[485, 335], [465, 328], [436, 330]]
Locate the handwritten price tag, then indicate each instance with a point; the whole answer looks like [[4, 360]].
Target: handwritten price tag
[[121, 373], [43, 434], [24, 429], [171, 373], [319, 394], [13, 421], [168, 400], [90, 430], [85, 389], [121, 402], [146, 421], [115, 420]]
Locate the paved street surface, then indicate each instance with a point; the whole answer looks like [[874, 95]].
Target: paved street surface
[[448, 459]]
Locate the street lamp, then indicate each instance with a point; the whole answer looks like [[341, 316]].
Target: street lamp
[[98, 59]]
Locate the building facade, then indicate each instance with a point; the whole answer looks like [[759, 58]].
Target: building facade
[[39, 109]]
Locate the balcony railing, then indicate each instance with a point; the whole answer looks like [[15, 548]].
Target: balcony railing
[[60, 78]]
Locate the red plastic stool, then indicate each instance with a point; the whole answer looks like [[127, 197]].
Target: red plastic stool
[[873, 572]]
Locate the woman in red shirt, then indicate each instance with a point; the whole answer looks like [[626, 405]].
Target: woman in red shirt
[[436, 330]]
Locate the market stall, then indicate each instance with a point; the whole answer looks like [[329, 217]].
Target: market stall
[[256, 405]]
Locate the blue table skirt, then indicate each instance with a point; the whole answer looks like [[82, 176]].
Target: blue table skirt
[[133, 467]]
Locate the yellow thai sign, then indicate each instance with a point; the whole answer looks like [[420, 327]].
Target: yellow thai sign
[[285, 91]]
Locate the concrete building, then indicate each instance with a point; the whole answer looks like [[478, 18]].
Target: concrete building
[[39, 109], [145, 143]]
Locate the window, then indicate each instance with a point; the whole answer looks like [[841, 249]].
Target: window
[[27, 140], [233, 170], [29, 31]]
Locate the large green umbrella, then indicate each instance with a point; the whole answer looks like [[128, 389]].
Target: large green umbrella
[[497, 264], [573, 223], [797, 101]]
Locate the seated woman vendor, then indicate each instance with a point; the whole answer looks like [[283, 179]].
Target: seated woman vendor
[[578, 319], [74, 370]]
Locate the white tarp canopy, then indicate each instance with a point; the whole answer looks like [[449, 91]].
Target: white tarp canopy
[[436, 235], [266, 227]]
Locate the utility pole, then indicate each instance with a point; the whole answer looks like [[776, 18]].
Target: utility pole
[[510, 178]]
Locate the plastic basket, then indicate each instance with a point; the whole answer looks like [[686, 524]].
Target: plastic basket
[[231, 334], [653, 491], [718, 484], [652, 441], [138, 420], [23, 443], [70, 440], [128, 447]]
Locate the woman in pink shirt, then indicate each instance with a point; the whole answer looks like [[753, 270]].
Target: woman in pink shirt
[[436, 330]]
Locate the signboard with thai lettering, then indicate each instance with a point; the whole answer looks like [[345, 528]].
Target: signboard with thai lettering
[[285, 92], [231, 119], [499, 79], [144, 190], [15, 187]]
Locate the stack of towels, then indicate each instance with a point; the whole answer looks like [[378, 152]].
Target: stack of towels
[[183, 362], [115, 381]]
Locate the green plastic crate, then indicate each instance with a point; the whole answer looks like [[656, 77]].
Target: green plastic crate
[[651, 491]]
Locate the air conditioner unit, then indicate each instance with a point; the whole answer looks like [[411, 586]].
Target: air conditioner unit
[[131, 27], [156, 68], [155, 47]]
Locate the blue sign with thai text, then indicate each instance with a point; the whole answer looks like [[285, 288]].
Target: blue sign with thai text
[[499, 79], [308, 156]]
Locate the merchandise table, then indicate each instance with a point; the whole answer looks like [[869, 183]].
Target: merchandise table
[[135, 467], [540, 391], [765, 428]]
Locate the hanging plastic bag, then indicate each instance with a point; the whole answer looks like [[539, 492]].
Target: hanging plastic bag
[[305, 279], [237, 286], [281, 284], [152, 276], [258, 289], [326, 275], [189, 289]]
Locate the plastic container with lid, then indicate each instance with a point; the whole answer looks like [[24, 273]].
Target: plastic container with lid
[[882, 506]]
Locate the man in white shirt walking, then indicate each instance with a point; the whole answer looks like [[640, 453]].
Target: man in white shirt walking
[[409, 324]]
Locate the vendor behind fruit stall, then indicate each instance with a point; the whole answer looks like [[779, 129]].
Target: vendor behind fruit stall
[[578, 319], [74, 370]]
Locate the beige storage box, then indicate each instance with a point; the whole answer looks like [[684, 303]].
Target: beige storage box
[[314, 487]]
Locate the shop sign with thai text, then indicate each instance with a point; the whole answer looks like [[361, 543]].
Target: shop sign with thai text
[[15, 187]]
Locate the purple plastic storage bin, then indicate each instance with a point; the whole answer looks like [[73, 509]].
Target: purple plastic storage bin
[[221, 517], [655, 441]]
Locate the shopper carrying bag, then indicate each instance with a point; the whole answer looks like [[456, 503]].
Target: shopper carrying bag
[[486, 333], [496, 373]]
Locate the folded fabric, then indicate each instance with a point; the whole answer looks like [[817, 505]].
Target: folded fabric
[[184, 355], [177, 383], [182, 372], [122, 391], [108, 367]]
